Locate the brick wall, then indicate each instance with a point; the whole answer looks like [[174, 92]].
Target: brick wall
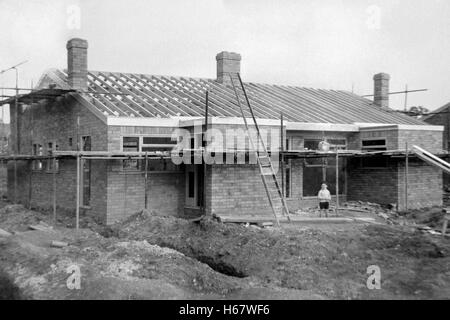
[[126, 192], [57, 122], [424, 185], [442, 119], [429, 140], [391, 136], [373, 185], [396, 139], [387, 185], [237, 189]]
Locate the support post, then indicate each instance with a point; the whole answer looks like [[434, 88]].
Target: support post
[[30, 179], [145, 181], [77, 217], [54, 191], [30, 184], [15, 180], [282, 154], [337, 181], [406, 175], [204, 150]]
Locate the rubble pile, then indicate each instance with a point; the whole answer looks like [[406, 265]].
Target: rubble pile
[[387, 212]]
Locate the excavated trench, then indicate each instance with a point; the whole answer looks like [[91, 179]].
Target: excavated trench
[[220, 266], [214, 262]]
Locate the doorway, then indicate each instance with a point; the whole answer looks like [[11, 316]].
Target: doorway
[[194, 186]]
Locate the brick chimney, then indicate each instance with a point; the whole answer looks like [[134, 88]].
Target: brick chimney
[[227, 62], [381, 90], [77, 63]]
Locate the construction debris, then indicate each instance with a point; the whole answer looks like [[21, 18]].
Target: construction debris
[[59, 244], [42, 226]]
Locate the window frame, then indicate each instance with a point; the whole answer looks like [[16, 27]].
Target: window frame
[[140, 167], [37, 164], [374, 147], [49, 163]]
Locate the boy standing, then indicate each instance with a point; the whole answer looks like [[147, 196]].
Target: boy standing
[[324, 199]]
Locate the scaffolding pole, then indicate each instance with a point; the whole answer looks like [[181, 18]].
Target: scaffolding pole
[[282, 155], [54, 191], [337, 180], [406, 175], [15, 181], [146, 181], [77, 217], [204, 148]]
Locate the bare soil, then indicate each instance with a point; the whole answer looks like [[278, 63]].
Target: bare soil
[[153, 257]]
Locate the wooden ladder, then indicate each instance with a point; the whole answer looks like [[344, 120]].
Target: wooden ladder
[[274, 194]]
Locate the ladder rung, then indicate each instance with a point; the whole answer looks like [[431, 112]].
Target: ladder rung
[[265, 161]]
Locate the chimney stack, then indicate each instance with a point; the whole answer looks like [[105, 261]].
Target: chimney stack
[[227, 62], [381, 90], [77, 63]]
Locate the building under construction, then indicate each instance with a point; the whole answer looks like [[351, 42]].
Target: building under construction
[[101, 143]]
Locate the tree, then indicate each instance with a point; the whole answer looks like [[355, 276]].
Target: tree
[[418, 111]]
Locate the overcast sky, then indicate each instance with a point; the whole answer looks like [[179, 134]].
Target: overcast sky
[[322, 44]]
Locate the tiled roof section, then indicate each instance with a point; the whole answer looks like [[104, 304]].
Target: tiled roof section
[[139, 95]]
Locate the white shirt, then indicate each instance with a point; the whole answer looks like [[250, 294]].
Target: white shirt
[[324, 195]]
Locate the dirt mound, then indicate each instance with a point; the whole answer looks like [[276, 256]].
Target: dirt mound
[[157, 257], [297, 258], [111, 268]]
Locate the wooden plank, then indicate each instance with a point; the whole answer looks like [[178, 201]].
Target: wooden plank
[[293, 218], [106, 99], [111, 94], [59, 244], [244, 219], [143, 91], [97, 103], [319, 220], [262, 111], [159, 86], [219, 106], [40, 227], [197, 109], [227, 104], [131, 93]]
